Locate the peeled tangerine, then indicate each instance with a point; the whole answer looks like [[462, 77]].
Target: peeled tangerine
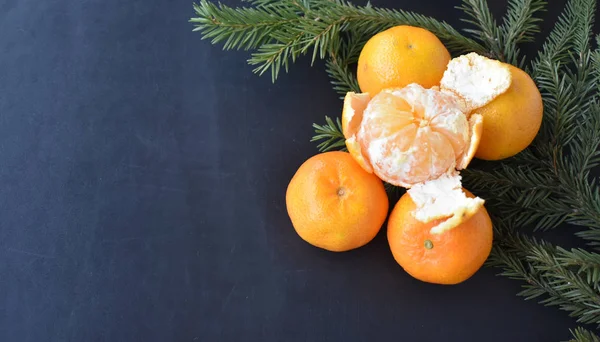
[[418, 138]]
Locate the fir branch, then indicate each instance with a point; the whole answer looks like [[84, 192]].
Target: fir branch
[[369, 20], [505, 177], [585, 11], [587, 263], [560, 107], [585, 77], [586, 135], [536, 196], [242, 28], [486, 29], [592, 236], [587, 211], [586, 143], [262, 3], [544, 214], [583, 195], [344, 54], [524, 193], [561, 282], [559, 103], [285, 30], [329, 135], [520, 23], [582, 335], [587, 140], [556, 47], [281, 53], [519, 26]]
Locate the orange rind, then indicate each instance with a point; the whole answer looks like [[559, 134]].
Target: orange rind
[[476, 79], [475, 133], [443, 198], [355, 151], [354, 106]]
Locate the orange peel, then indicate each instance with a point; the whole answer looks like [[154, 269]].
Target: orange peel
[[354, 106], [443, 198], [475, 132], [476, 79]]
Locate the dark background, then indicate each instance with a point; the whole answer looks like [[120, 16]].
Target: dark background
[[142, 183]]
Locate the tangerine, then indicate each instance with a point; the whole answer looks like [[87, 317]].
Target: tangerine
[[399, 56], [512, 120], [334, 204], [447, 258]]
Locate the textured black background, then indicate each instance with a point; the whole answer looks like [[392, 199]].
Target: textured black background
[[142, 182]]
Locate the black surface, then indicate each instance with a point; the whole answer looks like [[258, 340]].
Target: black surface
[[142, 182]]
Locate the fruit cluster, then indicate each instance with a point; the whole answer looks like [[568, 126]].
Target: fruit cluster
[[420, 119]]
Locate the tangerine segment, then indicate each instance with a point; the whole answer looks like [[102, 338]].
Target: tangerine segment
[[413, 134], [443, 199], [476, 79]]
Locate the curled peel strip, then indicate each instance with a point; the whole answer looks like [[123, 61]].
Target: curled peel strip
[[476, 80], [443, 198], [475, 131]]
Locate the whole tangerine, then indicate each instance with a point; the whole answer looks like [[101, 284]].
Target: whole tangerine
[[334, 203], [399, 56]]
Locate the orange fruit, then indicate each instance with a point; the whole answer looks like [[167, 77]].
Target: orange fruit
[[447, 258], [334, 204], [399, 56], [409, 135], [512, 120]]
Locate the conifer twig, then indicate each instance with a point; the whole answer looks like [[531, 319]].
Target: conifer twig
[[567, 279], [582, 335], [329, 135], [345, 53], [285, 30], [518, 26]]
